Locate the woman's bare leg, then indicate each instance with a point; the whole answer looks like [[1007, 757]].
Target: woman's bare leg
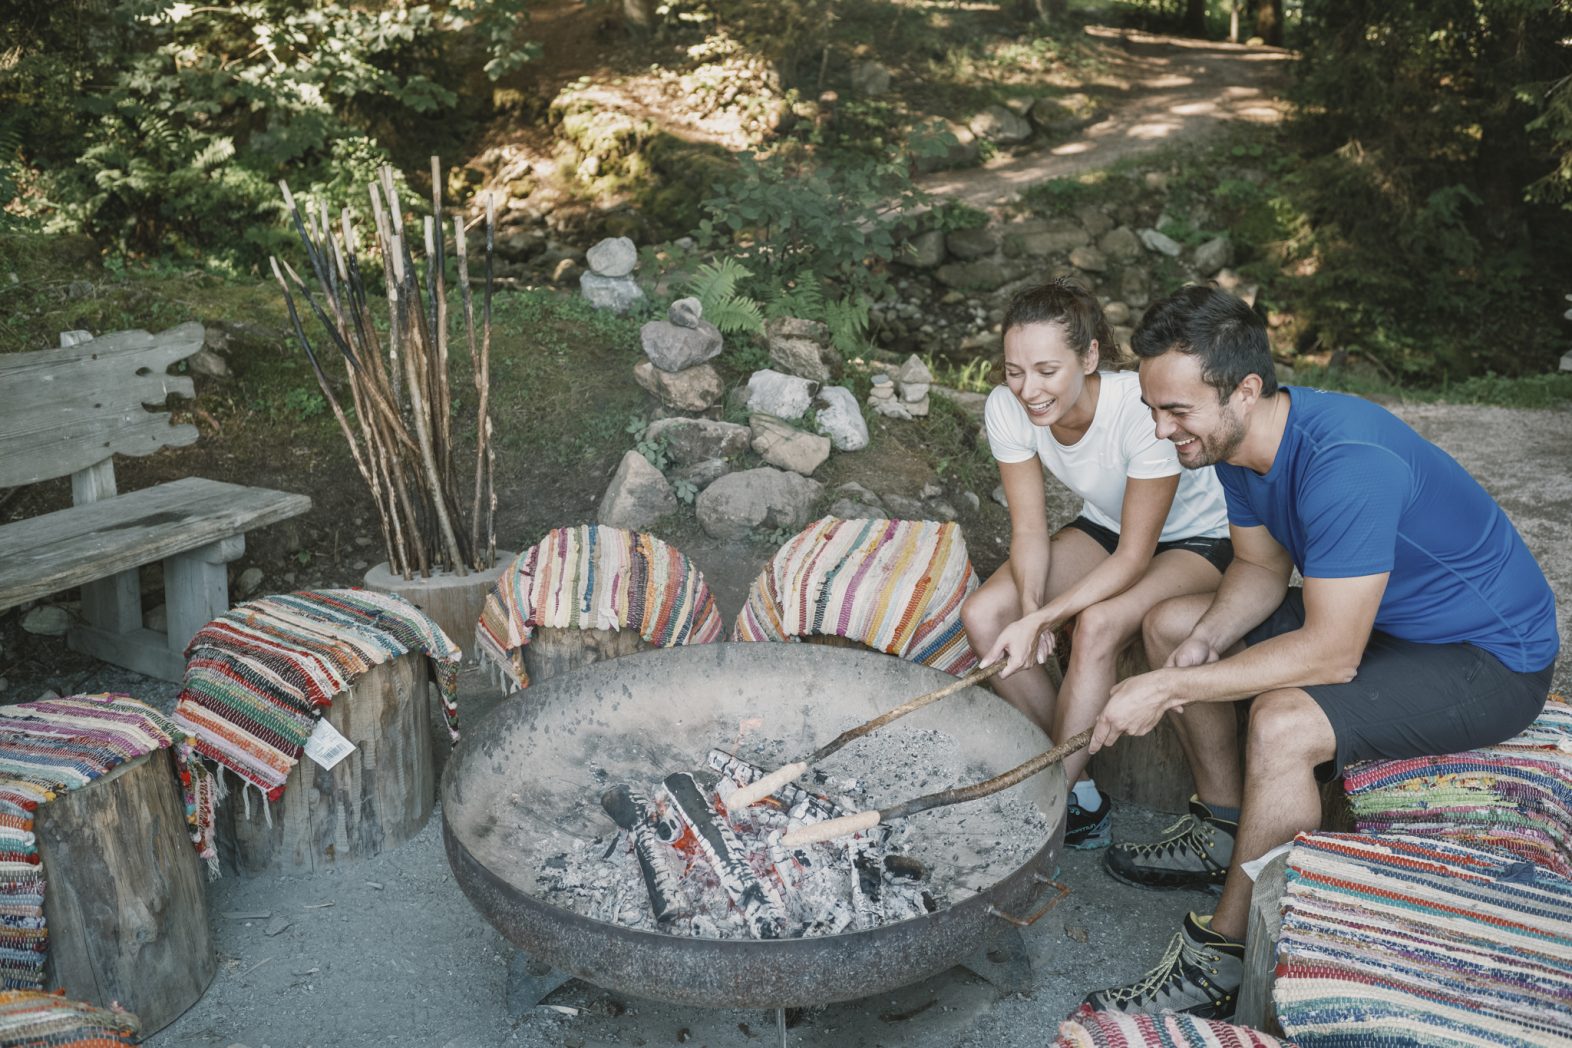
[[996, 604]]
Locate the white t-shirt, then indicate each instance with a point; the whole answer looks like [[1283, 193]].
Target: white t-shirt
[[1121, 442]]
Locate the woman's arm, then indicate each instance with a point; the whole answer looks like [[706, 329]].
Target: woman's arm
[[1145, 508], [1023, 490]]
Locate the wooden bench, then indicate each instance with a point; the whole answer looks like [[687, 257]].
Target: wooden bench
[[68, 411]]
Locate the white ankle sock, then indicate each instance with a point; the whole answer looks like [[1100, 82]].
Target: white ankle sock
[[1086, 793]]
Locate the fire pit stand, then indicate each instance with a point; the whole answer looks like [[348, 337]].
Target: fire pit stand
[[528, 778]]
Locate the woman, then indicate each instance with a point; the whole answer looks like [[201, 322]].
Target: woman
[[1147, 530]]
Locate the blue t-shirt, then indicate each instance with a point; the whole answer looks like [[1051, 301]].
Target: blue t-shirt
[[1354, 491]]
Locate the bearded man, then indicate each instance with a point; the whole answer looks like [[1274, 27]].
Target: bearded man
[[1423, 625]]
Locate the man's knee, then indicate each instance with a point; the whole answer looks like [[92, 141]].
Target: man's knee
[[1286, 726]]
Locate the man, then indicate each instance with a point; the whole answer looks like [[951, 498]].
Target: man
[[1423, 626]]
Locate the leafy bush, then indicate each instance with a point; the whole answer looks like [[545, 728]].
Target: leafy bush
[[155, 124]]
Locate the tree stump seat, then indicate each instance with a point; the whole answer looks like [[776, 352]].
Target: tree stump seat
[[373, 800], [125, 905]]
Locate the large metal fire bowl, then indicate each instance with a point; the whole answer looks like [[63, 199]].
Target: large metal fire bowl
[[539, 762]]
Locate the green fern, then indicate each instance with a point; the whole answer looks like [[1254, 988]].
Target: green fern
[[714, 284], [804, 297], [847, 320]]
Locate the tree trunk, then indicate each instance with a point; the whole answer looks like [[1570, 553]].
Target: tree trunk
[[1195, 17], [1043, 12], [126, 902], [370, 802], [1269, 22]]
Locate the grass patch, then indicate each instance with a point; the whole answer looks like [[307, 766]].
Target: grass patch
[[1526, 391]]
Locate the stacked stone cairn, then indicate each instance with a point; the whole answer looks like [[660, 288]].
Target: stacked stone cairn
[[904, 394], [677, 372], [609, 283]]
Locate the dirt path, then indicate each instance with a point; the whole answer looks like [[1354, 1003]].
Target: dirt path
[[1160, 90]]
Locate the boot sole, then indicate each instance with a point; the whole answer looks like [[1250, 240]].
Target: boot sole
[[1214, 887]]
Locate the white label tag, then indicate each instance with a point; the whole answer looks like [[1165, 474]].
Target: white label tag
[[326, 746]]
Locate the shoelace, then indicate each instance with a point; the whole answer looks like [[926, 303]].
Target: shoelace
[[1148, 985], [1187, 831]]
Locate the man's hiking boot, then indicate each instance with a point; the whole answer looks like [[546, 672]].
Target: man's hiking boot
[[1193, 853], [1200, 973], [1087, 828]]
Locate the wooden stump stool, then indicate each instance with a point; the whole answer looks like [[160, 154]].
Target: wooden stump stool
[[371, 801], [126, 899], [553, 651]]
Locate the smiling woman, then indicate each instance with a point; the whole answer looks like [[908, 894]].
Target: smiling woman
[[1147, 530]]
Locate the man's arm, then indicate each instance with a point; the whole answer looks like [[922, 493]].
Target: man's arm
[[1252, 588], [1339, 614]]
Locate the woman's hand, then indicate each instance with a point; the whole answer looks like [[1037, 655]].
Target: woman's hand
[[1025, 642]]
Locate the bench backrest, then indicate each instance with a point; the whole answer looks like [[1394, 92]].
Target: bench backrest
[[70, 410]]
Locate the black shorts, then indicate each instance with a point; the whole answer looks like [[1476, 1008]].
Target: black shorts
[[1218, 552], [1414, 700]]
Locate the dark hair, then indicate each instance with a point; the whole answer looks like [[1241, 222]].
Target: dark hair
[[1211, 324], [1067, 303]]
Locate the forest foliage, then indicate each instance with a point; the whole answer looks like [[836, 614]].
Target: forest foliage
[[1425, 179]]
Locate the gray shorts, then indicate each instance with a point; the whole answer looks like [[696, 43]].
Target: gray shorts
[[1414, 700]]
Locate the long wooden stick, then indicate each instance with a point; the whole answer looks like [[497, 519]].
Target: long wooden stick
[[867, 820], [757, 791]]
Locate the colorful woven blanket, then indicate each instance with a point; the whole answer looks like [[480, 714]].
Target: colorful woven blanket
[[50, 746], [594, 577], [1089, 1029], [894, 585], [259, 675], [1515, 797], [30, 1019], [1411, 941]]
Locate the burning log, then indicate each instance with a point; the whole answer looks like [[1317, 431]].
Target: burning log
[[629, 811], [759, 903]]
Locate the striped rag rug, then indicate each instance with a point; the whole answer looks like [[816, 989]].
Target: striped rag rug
[[259, 675], [1515, 797], [46, 748], [594, 577], [1089, 1029], [894, 585], [32, 1019], [1410, 941]]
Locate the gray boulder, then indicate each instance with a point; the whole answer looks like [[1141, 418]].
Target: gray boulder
[[923, 251], [801, 347], [1089, 259], [912, 369], [762, 498], [851, 509], [1117, 313], [962, 152], [618, 294], [702, 474], [692, 389], [870, 79], [1161, 242], [903, 507], [781, 395], [673, 348], [784, 446], [1120, 245], [1214, 255], [1135, 287], [858, 493], [1000, 126], [985, 274], [968, 244], [691, 440], [1038, 238], [637, 497], [46, 620], [1057, 116], [841, 419], [686, 312], [1094, 220], [612, 257]]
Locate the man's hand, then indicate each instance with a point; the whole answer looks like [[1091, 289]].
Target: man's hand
[[1134, 707], [1021, 644]]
